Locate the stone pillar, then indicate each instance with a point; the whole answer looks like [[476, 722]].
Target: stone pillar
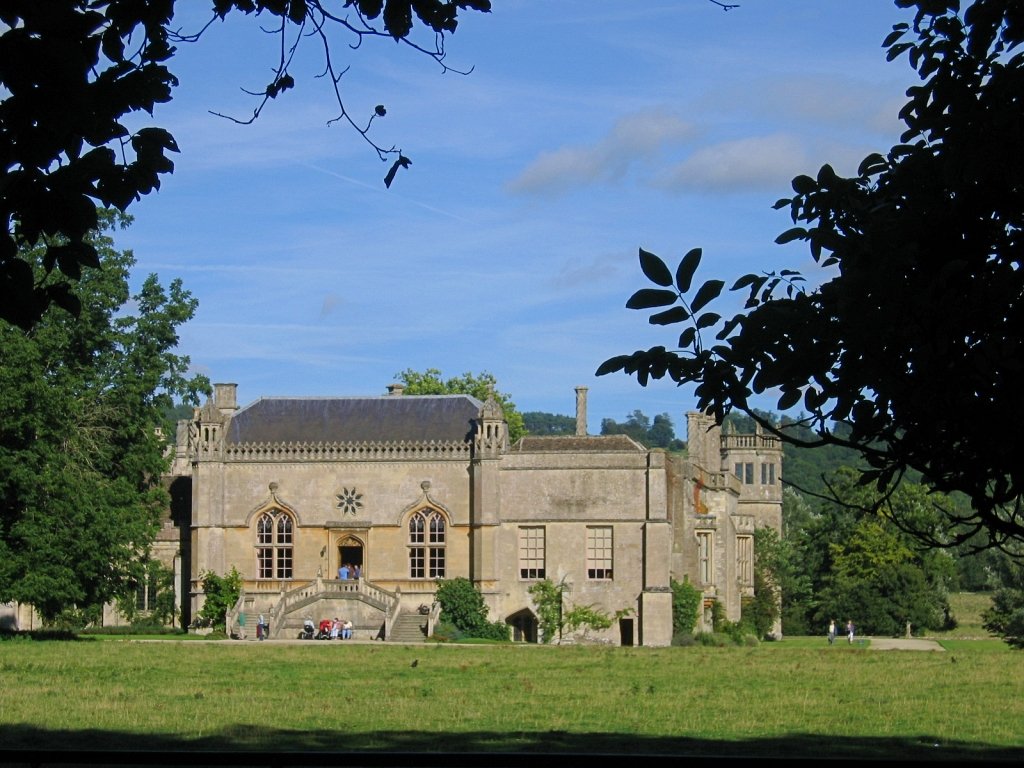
[[656, 618]]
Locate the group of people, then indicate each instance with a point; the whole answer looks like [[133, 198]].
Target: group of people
[[335, 630], [832, 631], [347, 571]]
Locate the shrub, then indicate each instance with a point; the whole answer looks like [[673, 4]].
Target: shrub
[[684, 639], [686, 600], [553, 617], [718, 620], [763, 609], [586, 617], [1005, 617], [140, 627], [222, 594], [547, 597], [446, 632], [42, 635], [463, 608], [158, 580], [713, 639], [75, 619]]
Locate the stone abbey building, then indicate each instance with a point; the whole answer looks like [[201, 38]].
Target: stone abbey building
[[409, 489]]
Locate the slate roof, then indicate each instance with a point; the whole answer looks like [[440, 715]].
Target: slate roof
[[577, 443], [388, 418]]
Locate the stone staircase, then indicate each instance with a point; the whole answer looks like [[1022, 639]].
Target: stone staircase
[[358, 600], [410, 628]]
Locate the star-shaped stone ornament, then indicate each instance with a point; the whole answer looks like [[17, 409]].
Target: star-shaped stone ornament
[[349, 501]]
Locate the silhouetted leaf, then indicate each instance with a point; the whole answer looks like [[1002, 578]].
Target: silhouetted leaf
[[670, 316], [61, 295], [743, 282], [826, 176], [708, 319], [803, 185], [398, 17], [898, 30], [790, 235], [646, 298], [729, 327], [789, 399], [896, 50], [686, 269], [708, 292], [612, 365], [873, 163], [401, 162], [654, 268], [813, 399]]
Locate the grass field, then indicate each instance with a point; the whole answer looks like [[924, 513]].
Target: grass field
[[967, 608], [795, 698]]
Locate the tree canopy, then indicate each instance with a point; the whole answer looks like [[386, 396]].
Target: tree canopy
[[72, 71], [846, 559], [660, 434], [908, 347], [81, 454], [480, 386], [543, 423]]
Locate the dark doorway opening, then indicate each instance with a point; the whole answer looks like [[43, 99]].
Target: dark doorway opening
[[626, 631], [350, 553], [524, 626]]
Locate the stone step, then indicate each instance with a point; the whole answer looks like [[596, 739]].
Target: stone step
[[410, 628]]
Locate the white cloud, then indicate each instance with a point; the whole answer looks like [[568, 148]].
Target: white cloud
[[633, 139], [764, 162]]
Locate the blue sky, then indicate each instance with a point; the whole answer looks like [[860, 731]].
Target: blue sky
[[586, 131]]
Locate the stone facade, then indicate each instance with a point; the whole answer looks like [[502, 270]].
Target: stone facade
[[415, 488]]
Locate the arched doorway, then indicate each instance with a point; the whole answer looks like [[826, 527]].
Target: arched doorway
[[524, 626], [350, 553]]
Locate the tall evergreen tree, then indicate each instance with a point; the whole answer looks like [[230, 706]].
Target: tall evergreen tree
[[81, 454]]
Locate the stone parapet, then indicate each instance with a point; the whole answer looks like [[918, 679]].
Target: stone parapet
[[756, 441], [262, 452]]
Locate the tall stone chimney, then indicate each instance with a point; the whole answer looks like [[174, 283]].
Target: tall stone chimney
[[581, 411], [704, 441], [225, 398]]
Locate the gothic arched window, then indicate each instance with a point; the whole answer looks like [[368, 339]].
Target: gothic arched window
[[274, 541], [427, 541]]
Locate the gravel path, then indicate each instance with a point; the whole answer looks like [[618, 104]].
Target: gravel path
[[903, 644]]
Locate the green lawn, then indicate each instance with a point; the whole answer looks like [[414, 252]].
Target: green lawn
[[967, 608], [797, 698]]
